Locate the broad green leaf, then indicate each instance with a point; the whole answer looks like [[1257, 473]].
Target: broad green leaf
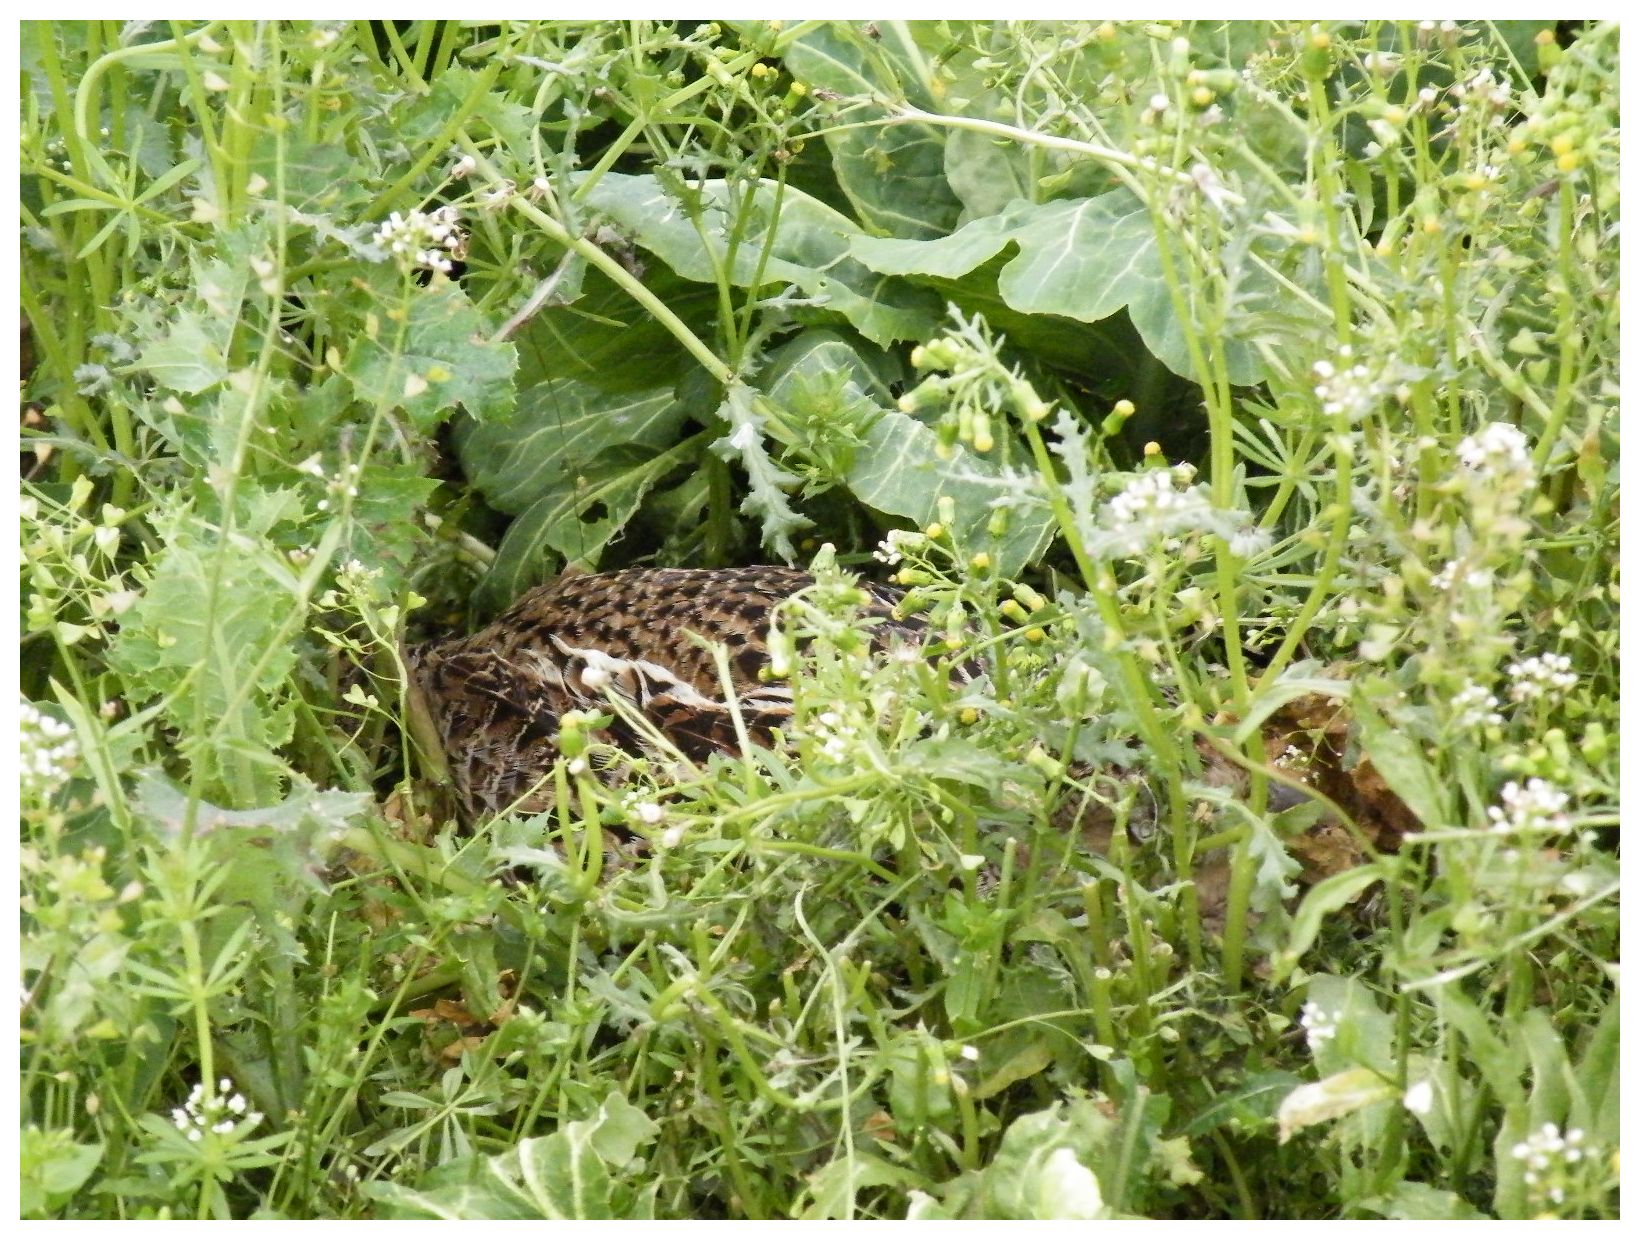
[[620, 1130], [1043, 1168], [1411, 1200], [439, 357], [899, 470], [53, 1167], [1080, 258], [1365, 1034], [575, 519], [893, 174], [1332, 893], [561, 1175], [605, 340], [555, 432], [832, 1191], [810, 247]]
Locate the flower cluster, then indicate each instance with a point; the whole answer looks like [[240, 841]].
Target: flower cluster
[[424, 239], [1484, 90], [892, 549], [1320, 1025], [836, 736], [1549, 1155], [47, 751], [1473, 707], [1536, 808], [220, 1114], [1154, 507], [1498, 452], [1348, 388], [1543, 676]]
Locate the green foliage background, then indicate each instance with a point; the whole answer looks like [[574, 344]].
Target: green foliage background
[[729, 293]]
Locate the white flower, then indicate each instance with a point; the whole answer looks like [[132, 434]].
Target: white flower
[[1541, 676], [1498, 451], [47, 751], [423, 239], [649, 813], [1320, 1025], [891, 550], [221, 1114], [1151, 509], [1538, 807], [1349, 388], [1419, 1098], [1473, 707]]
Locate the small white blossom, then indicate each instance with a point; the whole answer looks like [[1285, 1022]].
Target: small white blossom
[[1544, 676], [1151, 509], [221, 1114], [649, 813], [1498, 451], [47, 751], [1473, 707], [424, 239], [1419, 1098], [1320, 1025], [1347, 388], [891, 550], [1536, 808], [1550, 1157]]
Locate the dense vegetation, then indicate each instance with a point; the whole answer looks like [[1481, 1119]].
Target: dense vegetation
[[1242, 399]]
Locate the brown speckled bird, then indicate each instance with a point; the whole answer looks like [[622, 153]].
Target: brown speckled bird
[[495, 698]]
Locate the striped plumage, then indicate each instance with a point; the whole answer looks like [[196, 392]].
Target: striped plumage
[[495, 698]]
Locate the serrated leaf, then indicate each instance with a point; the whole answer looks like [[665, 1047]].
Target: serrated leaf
[[187, 359], [444, 359], [766, 498], [219, 656]]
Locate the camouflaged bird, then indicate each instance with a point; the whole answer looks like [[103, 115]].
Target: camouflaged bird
[[495, 698]]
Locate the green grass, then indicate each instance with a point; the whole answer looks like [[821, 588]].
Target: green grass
[[1223, 392]]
